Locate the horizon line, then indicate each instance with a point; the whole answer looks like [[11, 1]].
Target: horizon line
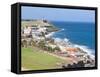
[[55, 20]]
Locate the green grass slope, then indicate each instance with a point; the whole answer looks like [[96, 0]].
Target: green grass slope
[[34, 59]]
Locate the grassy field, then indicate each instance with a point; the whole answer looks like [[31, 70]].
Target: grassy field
[[35, 59]]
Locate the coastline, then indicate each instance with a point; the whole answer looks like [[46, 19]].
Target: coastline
[[43, 37], [83, 47]]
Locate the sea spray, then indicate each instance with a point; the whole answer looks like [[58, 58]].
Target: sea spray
[[49, 35], [86, 49]]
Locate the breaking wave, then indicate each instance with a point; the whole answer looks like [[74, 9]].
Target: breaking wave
[[66, 40], [84, 48]]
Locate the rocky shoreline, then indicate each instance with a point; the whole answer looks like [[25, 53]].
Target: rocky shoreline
[[39, 33]]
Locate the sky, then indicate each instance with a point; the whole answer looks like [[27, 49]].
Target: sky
[[57, 14]]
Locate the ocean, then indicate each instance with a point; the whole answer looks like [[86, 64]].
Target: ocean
[[78, 33]]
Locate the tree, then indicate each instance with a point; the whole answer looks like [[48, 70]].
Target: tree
[[57, 49], [41, 44], [24, 43], [50, 49]]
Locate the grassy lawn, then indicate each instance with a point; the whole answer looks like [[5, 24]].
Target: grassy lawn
[[33, 59]]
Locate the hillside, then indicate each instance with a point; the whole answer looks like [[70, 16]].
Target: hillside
[[39, 23]]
